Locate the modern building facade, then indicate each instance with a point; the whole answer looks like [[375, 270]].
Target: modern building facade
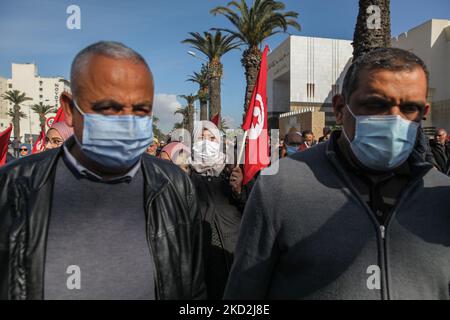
[[304, 73], [431, 42], [25, 78]]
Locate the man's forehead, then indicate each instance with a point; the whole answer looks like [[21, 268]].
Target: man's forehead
[[412, 83], [110, 73]]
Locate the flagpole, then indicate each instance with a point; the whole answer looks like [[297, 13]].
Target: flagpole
[[241, 151]]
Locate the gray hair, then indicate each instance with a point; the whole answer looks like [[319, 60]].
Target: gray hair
[[112, 49]]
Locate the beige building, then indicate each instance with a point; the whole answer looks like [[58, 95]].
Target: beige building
[[4, 106], [25, 78], [302, 120], [431, 42]]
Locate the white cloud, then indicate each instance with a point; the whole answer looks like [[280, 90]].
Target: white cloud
[[164, 106]]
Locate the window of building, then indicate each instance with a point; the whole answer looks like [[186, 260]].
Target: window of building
[[41, 97], [40, 89], [311, 90], [10, 85]]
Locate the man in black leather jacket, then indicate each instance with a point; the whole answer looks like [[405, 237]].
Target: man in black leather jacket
[[91, 220]]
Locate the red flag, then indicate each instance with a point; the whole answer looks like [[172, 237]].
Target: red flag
[[216, 119], [59, 115], [4, 142], [39, 146], [257, 147]]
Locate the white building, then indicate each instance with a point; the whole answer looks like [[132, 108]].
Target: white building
[[47, 90], [431, 42], [304, 74], [4, 106]]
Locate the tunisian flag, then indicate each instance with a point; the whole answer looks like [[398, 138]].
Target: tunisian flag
[[257, 147], [59, 115], [39, 146], [4, 140], [216, 119]]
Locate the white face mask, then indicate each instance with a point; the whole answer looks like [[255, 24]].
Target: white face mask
[[206, 152]]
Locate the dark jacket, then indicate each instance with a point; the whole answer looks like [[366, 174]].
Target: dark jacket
[[221, 214], [174, 230], [441, 153], [307, 233]]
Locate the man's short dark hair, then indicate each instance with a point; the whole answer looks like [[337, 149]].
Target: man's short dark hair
[[392, 59], [306, 132]]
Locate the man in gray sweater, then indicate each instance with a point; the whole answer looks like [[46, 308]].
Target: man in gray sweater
[[361, 216]]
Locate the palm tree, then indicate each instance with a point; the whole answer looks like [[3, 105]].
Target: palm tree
[[42, 110], [156, 131], [16, 98], [368, 35], [178, 125], [189, 111], [213, 46], [201, 78], [223, 125], [253, 25], [184, 112]]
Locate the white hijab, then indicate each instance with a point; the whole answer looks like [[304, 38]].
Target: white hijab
[[215, 167]]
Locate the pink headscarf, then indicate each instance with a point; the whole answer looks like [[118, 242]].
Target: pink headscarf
[[174, 148], [64, 130]]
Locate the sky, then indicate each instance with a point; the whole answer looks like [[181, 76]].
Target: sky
[[35, 31]]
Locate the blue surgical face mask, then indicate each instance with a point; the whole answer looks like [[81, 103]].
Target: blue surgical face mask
[[382, 143], [115, 141]]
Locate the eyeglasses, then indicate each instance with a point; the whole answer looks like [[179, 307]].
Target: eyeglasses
[[23, 149], [55, 141]]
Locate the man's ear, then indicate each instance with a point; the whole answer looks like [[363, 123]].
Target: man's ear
[[427, 110], [338, 108], [67, 105]]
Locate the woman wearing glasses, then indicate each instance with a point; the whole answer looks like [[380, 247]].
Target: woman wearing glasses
[[24, 150], [57, 134]]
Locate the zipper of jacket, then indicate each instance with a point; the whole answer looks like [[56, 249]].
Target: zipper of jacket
[[383, 231], [384, 266]]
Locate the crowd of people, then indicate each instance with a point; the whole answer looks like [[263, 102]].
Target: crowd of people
[[358, 214]]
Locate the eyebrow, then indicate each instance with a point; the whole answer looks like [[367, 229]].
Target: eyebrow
[[384, 99], [98, 105]]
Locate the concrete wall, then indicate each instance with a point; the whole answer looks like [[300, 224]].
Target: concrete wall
[[317, 61], [307, 72], [278, 83], [314, 121], [431, 42]]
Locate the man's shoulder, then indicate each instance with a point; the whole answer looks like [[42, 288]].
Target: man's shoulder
[[29, 166], [314, 157], [435, 179], [300, 168], [163, 168]]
